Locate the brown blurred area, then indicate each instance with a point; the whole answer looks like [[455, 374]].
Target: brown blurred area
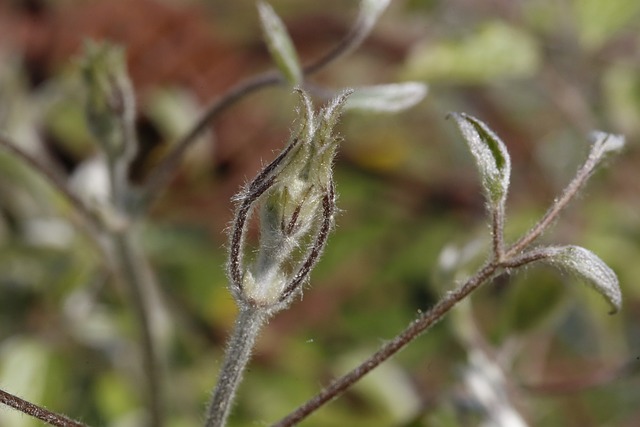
[[169, 44]]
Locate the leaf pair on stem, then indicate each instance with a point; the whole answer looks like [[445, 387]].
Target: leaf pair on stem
[[494, 165]]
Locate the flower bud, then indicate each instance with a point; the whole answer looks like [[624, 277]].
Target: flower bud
[[295, 198], [108, 102]]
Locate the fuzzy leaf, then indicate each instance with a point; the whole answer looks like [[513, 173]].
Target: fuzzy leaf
[[389, 98], [588, 267], [279, 44], [491, 156]]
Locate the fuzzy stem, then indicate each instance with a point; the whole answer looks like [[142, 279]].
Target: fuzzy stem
[[131, 265], [248, 325], [36, 411], [415, 329], [497, 232]]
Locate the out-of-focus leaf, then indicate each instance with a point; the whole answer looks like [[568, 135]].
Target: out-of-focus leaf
[[114, 397], [588, 267], [598, 21], [622, 92], [389, 98], [279, 44], [495, 51], [531, 301], [491, 156]]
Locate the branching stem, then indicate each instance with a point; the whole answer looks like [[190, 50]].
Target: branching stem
[[515, 256]]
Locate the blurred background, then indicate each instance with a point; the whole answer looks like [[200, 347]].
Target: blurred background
[[534, 347]]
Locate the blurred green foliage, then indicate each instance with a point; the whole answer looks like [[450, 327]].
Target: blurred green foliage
[[541, 73]]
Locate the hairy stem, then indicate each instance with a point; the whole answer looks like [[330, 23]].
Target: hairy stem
[[36, 411], [497, 232], [248, 325], [131, 267], [415, 329]]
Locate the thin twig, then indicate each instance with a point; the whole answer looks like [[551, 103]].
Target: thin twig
[[36, 411], [415, 329], [160, 176]]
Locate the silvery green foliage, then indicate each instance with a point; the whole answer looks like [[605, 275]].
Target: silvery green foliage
[[590, 268], [279, 44], [295, 195], [490, 155], [388, 98], [494, 165]]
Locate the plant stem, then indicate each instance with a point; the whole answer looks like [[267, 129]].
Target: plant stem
[[36, 411], [248, 325], [415, 329], [131, 266], [497, 232]]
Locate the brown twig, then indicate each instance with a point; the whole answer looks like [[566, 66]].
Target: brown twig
[[36, 411]]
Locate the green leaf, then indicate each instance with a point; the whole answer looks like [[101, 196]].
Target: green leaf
[[588, 267], [279, 44], [389, 98], [598, 21], [491, 156]]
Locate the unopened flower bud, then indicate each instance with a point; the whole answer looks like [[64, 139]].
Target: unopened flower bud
[[295, 196], [103, 69]]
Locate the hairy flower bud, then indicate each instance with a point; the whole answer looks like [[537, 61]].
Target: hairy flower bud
[[295, 198]]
